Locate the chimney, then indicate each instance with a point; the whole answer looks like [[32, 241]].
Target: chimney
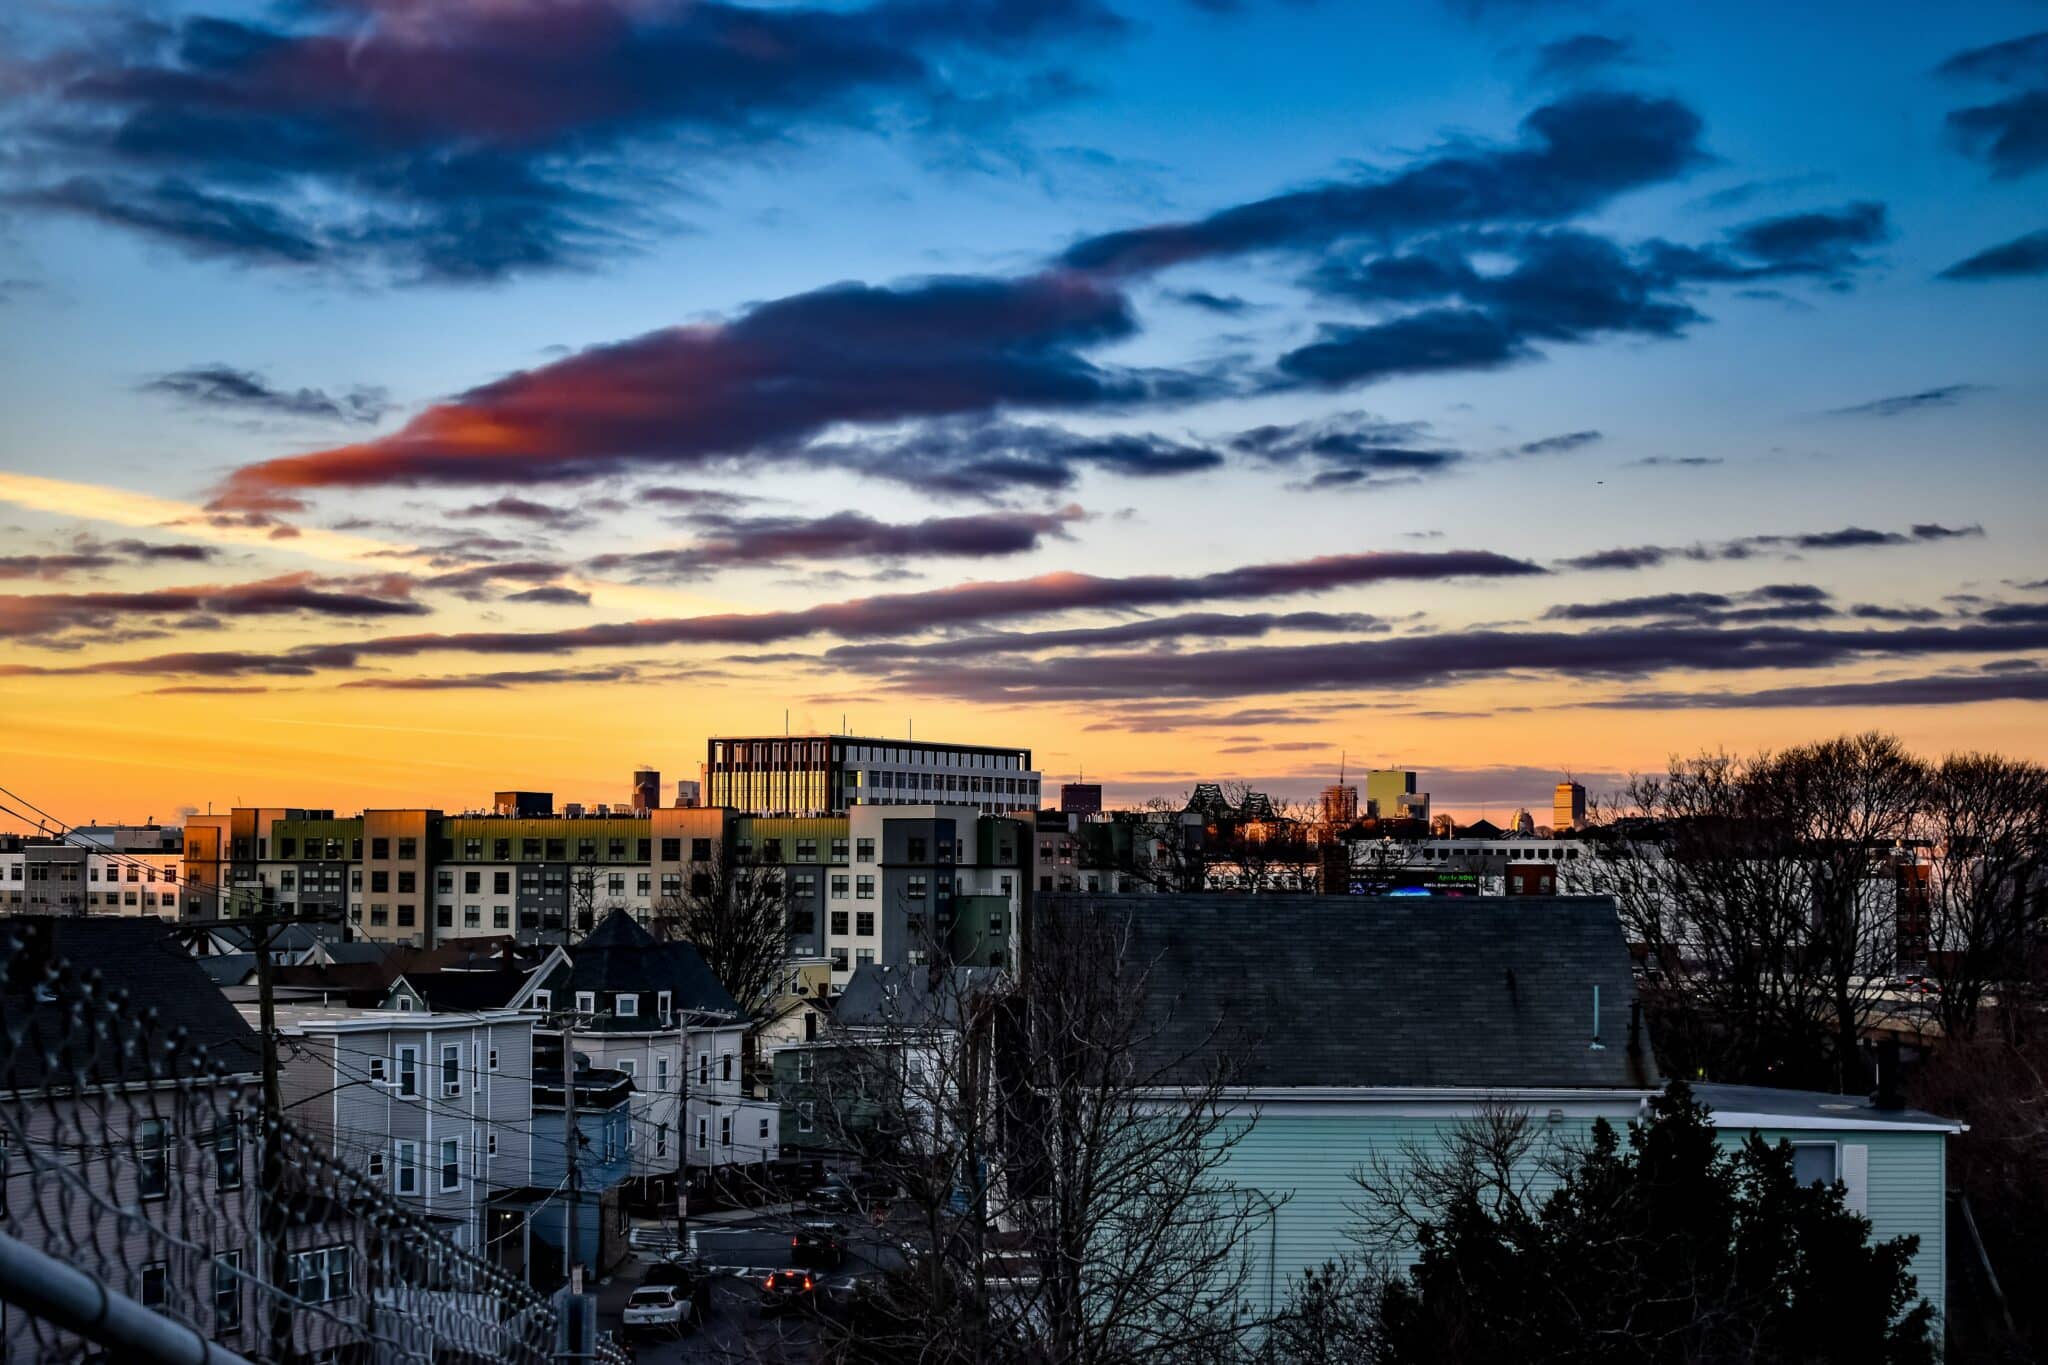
[[1891, 1092]]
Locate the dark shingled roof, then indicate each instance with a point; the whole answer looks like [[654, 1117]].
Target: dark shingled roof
[[162, 994], [619, 955], [910, 997], [1488, 992]]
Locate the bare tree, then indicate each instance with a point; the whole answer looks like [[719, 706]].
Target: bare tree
[[1986, 894], [1158, 846], [736, 912], [1060, 1163]]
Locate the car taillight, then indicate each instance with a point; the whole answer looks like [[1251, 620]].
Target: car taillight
[[807, 1282], [795, 1241], [768, 1283]]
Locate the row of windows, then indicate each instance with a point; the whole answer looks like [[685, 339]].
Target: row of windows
[[153, 1284], [971, 783], [92, 872]]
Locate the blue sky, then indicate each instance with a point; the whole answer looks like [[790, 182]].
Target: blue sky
[[1776, 390]]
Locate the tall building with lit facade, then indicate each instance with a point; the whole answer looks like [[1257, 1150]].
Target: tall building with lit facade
[[1390, 794], [824, 774], [1568, 810]]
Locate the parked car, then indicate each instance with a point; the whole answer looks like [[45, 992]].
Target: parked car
[[782, 1290], [687, 1279], [659, 1310], [819, 1245], [846, 1193]]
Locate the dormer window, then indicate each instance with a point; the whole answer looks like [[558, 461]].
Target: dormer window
[[663, 1006], [586, 1002], [628, 1006]]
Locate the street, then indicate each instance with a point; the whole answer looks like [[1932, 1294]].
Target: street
[[739, 1250]]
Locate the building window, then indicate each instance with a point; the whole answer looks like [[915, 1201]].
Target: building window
[[628, 1006], [629, 1066], [543, 1000], [839, 921], [840, 885], [451, 1069], [725, 1066], [227, 1291], [764, 1134], [451, 1165], [863, 957], [151, 1284], [864, 923], [319, 1276], [153, 1158], [864, 888], [864, 850], [407, 1161], [838, 959], [703, 1068], [586, 1002], [408, 1071], [376, 1170], [916, 849], [1815, 1163], [408, 849], [227, 1155], [700, 850], [805, 1113], [663, 1005], [661, 1072], [703, 1132], [661, 1139], [493, 1064], [725, 1130], [377, 1071], [490, 1144], [380, 849]]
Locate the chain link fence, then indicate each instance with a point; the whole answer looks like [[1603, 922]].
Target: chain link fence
[[153, 1211]]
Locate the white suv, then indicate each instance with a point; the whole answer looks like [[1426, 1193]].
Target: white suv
[[658, 1308]]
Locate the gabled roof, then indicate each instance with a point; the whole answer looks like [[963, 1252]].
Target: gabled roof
[[161, 988], [911, 997], [228, 969], [619, 955], [1355, 991]]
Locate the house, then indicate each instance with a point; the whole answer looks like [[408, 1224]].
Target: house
[[889, 1027], [799, 1010], [654, 1011], [504, 976], [436, 1109], [128, 1079], [1371, 1027], [595, 1200]]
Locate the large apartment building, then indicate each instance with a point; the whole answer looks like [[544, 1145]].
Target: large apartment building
[[887, 884], [123, 871], [823, 774]]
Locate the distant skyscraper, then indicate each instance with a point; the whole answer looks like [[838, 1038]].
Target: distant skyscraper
[[1340, 805], [646, 789], [1568, 811], [1525, 823], [1080, 798], [1390, 795]]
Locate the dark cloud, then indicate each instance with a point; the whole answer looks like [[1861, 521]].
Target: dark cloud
[[538, 677], [1677, 462], [1228, 305], [729, 541], [1745, 547], [472, 141], [225, 388], [2010, 135], [551, 595], [88, 554], [204, 690], [776, 375], [2023, 255], [977, 458], [1193, 625], [1562, 285], [1898, 405], [1944, 689], [1557, 445], [513, 508], [697, 499], [1347, 450], [1403, 664], [892, 614], [1773, 602], [1574, 58], [1827, 243], [44, 616], [1575, 155], [1872, 612], [482, 582], [2017, 613]]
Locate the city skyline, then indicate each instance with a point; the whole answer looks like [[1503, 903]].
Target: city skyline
[[406, 406]]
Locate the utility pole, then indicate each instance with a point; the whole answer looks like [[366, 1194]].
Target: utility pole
[[683, 1135], [572, 1139], [263, 933]]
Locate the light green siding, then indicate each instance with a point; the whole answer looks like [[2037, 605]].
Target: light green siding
[[1305, 1161], [1904, 1193]]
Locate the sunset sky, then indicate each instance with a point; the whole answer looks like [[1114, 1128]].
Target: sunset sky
[[402, 399]]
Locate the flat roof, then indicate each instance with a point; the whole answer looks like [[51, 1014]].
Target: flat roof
[[1762, 1106], [872, 740]]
